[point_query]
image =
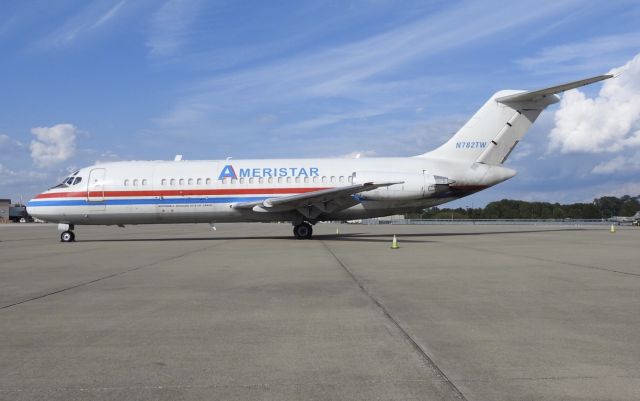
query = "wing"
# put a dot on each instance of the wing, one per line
(312, 204)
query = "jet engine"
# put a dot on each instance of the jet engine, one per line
(409, 186)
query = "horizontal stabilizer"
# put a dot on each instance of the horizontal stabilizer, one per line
(534, 96)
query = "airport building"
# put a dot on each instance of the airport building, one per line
(4, 210)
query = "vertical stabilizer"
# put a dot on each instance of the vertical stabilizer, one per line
(492, 133)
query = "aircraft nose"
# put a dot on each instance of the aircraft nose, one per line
(32, 210)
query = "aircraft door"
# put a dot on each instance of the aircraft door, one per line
(95, 185)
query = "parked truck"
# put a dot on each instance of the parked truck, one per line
(18, 214)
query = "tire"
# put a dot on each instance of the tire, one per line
(303, 231)
(309, 232)
(67, 236)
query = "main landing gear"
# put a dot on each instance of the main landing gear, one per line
(303, 231)
(67, 233)
(67, 236)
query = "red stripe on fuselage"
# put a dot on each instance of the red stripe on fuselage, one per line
(181, 192)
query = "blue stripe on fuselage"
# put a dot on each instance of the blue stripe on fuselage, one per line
(166, 201)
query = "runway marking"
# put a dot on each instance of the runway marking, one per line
(414, 344)
(85, 283)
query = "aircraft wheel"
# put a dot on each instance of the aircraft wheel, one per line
(303, 231)
(67, 236)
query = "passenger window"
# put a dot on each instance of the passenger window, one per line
(288, 180)
(279, 180)
(233, 181)
(241, 180)
(324, 178)
(315, 179)
(181, 181)
(135, 182)
(341, 179)
(306, 179)
(260, 180)
(199, 181)
(190, 181)
(297, 179)
(224, 180)
(144, 181)
(126, 183)
(350, 179)
(333, 178)
(251, 180)
(173, 182)
(270, 180)
(163, 182)
(208, 181)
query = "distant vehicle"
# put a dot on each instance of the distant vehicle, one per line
(18, 214)
(302, 191)
(634, 220)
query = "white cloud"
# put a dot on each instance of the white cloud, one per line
(344, 81)
(619, 164)
(609, 122)
(6, 142)
(170, 26)
(92, 17)
(267, 119)
(108, 156)
(53, 144)
(11, 177)
(522, 151)
(595, 54)
(109, 14)
(335, 118)
(629, 188)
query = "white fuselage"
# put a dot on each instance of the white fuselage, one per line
(143, 192)
(303, 191)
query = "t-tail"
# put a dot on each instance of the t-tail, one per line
(493, 132)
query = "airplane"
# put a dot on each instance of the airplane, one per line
(302, 191)
(634, 220)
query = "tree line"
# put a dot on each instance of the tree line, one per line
(601, 208)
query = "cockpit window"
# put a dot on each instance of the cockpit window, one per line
(68, 181)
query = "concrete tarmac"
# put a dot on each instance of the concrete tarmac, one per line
(248, 313)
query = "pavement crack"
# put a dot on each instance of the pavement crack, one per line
(428, 361)
(108, 276)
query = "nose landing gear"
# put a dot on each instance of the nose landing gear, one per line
(303, 231)
(67, 233)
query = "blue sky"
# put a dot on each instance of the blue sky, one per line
(119, 80)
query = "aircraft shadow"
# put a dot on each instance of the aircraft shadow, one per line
(358, 236)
